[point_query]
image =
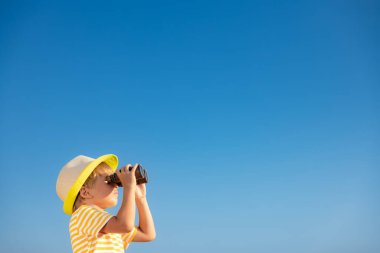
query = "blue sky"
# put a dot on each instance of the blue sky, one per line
(256, 120)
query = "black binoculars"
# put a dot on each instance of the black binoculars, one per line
(140, 173)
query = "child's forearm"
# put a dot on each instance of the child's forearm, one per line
(127, 211)
(146, 223)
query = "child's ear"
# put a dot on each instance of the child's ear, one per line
(85, 193)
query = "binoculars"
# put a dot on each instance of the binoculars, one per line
(140, 173)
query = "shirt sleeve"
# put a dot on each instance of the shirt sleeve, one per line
(128, 237)
(91, 220)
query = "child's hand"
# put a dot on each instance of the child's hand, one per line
(140, 191)
(127, 175)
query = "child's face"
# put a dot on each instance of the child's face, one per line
(103, 195)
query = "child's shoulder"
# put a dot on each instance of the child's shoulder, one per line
(88, 213)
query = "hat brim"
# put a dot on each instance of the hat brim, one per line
(111, 160)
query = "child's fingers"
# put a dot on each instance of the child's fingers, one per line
(124, 169)
(128, 167)
(133, 170)
(118, 173)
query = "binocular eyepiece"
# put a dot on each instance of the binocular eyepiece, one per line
(140, 173)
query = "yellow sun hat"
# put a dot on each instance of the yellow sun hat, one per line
(75, 173)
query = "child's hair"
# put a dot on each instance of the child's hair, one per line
(100, 169)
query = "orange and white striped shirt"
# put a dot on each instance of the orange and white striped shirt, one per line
(85, 224)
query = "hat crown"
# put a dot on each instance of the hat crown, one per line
(70, 173)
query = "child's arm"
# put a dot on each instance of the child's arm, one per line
(124, 221)
(146, 231)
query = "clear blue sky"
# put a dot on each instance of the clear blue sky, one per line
(258, 121)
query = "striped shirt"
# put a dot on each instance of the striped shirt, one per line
(85, 224)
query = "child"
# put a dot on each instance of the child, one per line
(85, 194)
